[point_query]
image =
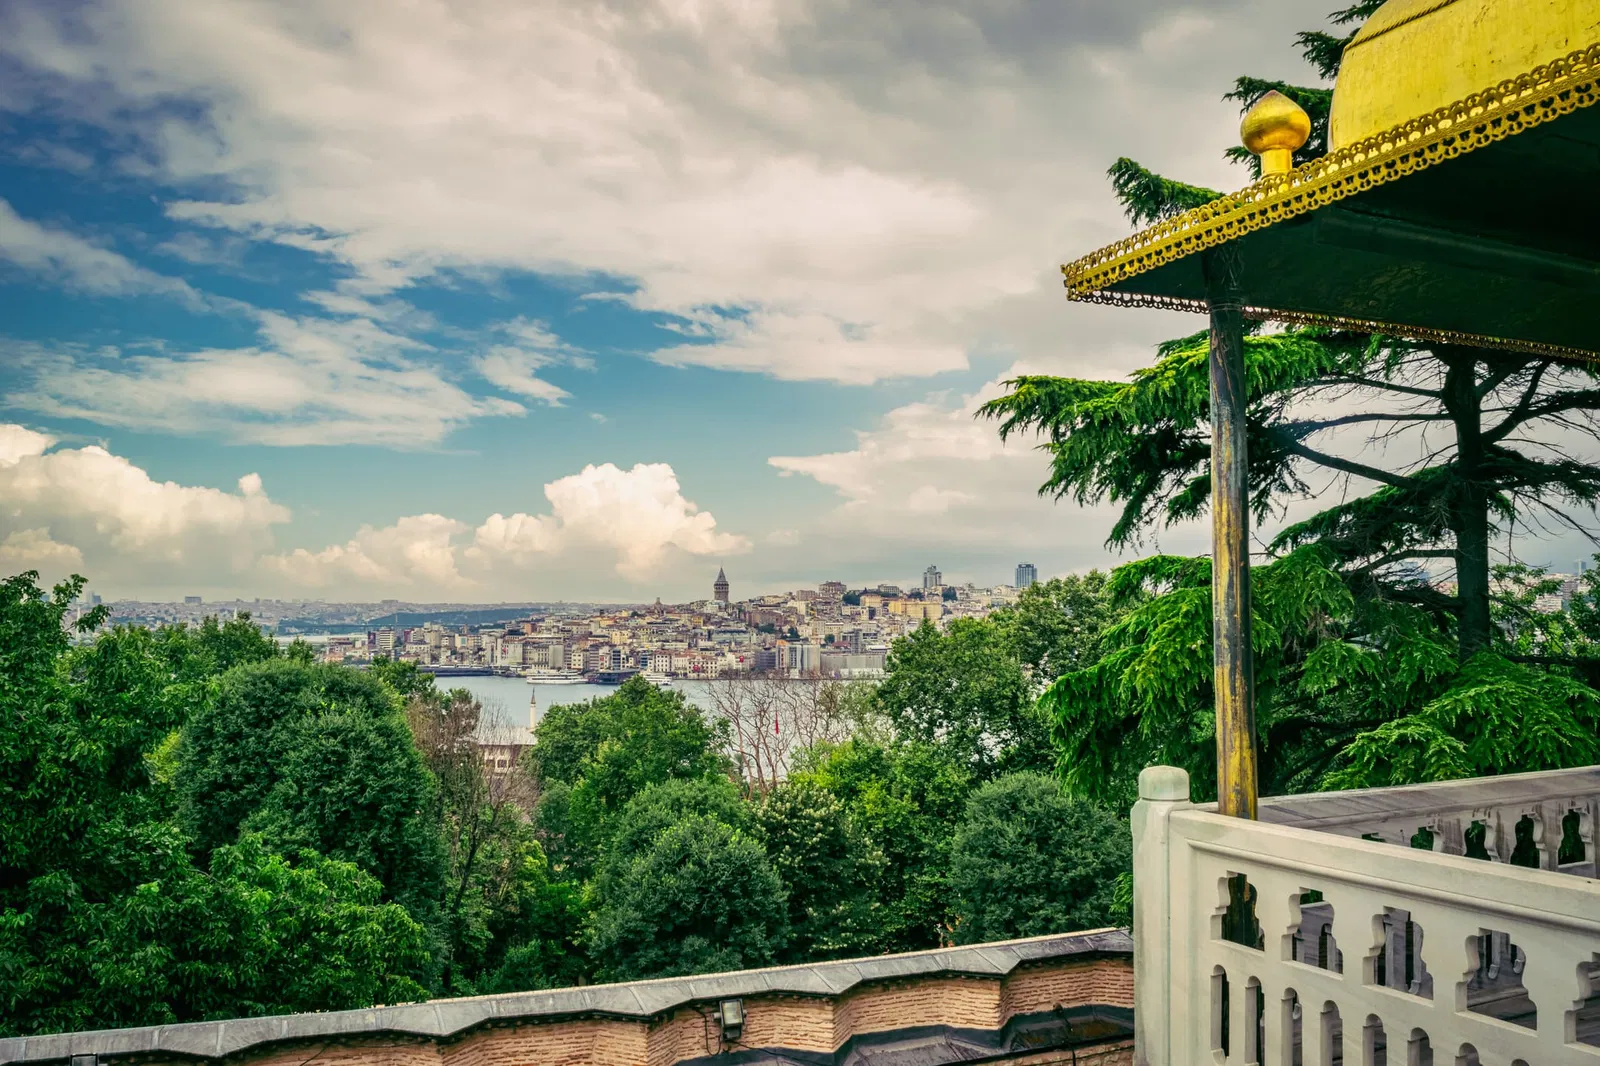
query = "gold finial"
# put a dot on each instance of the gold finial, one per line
(1273, 128)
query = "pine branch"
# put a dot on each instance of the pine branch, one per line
(1307, 428)
(1347, 466)
(1148, 197)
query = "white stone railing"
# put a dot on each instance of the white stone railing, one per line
(1544, 819)
(1274, 943)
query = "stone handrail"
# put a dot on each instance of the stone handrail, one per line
(1272, 943)
(1530, 819)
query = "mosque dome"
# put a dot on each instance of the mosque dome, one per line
(1415, 56)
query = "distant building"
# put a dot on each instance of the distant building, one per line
(193, 601)
(931, 578)
(1027, 574)
(719, 588)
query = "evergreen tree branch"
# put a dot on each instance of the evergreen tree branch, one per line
(1348, 466)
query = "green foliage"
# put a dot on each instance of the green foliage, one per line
(1028, 861)
(904, 799)
(829, 867)
(963, 689)
(663, 805)
(1057, 625)
(403, 677)
(315, 757)
(1148, 197)
(605, 752)
(104, 918)
(702, 898)
(1351, 691)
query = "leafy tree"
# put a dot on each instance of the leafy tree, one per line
(1351, 691)
(1056, 625)
(829, 868)
(481, 813)
(904, 800)
(702, 898)
(214, 647)
(315, 757)
(963, 689)
(403, 676)
(663, 805)
(1028, 861)
(604, 752)
(104, 919)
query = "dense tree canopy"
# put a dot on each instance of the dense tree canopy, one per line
(104, 918)
(964, 689)
(702, 898)
(1028, 861)
(315, 757)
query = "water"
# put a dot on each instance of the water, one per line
(505, 699)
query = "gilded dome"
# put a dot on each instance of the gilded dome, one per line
(1414, 56)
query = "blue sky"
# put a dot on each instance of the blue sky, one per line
(488, 300)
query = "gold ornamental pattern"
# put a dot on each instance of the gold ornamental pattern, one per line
(1541, 95)
(1422, 334)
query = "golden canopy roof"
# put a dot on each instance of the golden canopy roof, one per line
(1457, 200)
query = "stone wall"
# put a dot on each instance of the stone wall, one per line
(963, 997)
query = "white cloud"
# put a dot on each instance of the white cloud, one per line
(85, 506)
(309, 381)
(631, 522)
(63, 257)
(415, 552)
(32, 549)
(638, 516)
(846, 191)
(90, 510)
(513, 367)
(932, 481)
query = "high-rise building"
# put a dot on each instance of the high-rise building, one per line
(190, 601)
(1027, 574)
(931, 578)
(719, 589)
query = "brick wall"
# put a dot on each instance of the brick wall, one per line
(791, 1020)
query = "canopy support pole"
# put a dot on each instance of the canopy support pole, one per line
(1230, 539)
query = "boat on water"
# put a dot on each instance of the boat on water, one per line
(553, 677)
(657, 678)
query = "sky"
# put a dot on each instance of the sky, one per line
(494, 300)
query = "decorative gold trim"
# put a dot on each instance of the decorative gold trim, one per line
(1539, 96)
(1424, 334)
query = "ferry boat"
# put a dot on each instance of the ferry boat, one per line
(656, 678)
(553, 677)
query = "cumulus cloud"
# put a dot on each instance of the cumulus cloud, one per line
(638, 515)
(58, 255)
(87, 507)
(414, 552)
(631, 523)
(33, 549)
(309, 381)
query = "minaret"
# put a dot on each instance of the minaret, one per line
(719, 590)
